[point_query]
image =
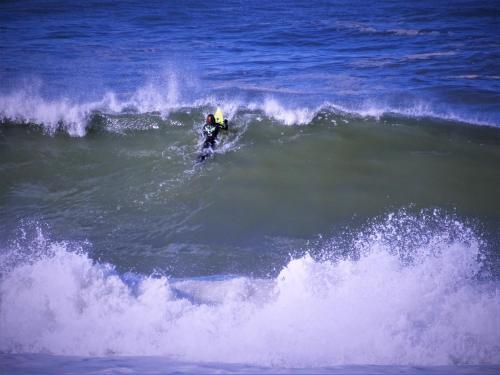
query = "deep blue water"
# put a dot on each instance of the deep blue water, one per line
(430, 57)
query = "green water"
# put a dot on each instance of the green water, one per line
(138, 198)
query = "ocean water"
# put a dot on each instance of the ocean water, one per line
(347, 222)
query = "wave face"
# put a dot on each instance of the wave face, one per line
(278, 250)
(131, 185)
(440, 303)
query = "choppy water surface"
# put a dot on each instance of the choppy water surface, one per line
(361, 166)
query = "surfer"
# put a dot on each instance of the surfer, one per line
(210, 131)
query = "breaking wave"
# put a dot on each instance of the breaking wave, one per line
(407, 290)
(27, 107)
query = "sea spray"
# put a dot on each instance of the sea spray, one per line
(377, 307)
(28, 106)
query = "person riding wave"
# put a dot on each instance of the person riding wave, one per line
(211, 131)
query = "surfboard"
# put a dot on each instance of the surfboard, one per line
(219, 116)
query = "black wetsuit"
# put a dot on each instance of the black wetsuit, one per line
(210, 131)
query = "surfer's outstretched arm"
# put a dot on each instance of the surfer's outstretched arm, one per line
(224, 125)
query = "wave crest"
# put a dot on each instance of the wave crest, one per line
(29, 107)
(374, 308)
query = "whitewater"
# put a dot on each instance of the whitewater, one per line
(440, 306)
(27, 106)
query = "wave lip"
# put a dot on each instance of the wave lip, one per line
(29, 107)
(76, 119)
(22, 108)
(399, 298)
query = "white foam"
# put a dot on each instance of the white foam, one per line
(418, 110)
(288, 116)
(426, 56)
(412, 32)
(378, 309)
(21, 107)
(30, 107)
(358, 26)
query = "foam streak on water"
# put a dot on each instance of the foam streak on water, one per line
(376, 306)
